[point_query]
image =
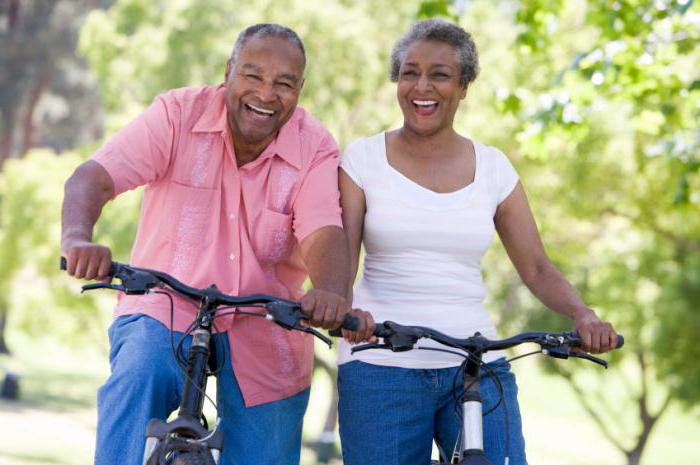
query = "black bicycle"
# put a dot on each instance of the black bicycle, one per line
(187, 439)
(469, 447)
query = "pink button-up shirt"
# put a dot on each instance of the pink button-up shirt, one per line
(206, 221)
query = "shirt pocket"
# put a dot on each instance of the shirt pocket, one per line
(272, 236)
(191, 214)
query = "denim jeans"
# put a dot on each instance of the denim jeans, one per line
(390, 416)
(146, 383)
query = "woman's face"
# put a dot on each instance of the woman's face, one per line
(428, 88)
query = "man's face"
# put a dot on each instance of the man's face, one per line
(262, 90)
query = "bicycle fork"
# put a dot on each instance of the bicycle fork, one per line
(469, 449)
(187, 423)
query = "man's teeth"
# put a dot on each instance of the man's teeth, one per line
(424, 103)
(260, 110)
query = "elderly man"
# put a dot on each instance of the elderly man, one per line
(240, 191)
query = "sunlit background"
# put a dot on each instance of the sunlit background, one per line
(597, 104)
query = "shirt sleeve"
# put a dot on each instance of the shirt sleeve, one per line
(506, 176)
(317, 204)
(140, 152)
(351, 162)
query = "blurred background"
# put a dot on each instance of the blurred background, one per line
(597, 103)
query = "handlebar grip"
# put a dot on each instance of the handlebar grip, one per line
(113, 267)
(574, 337)
(620, 341)
(349, 322)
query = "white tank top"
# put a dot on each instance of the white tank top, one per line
(423, 250)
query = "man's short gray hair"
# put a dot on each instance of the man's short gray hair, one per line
(443, 31)
(267, 30)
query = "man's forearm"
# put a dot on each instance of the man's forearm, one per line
(86, 192)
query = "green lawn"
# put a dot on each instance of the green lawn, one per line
(55, 420)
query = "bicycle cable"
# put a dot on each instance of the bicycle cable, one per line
(180, 349)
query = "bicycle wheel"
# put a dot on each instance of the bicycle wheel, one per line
(178, 451)
(192, 458)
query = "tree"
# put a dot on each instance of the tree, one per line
(608, 104)
(41, 78)
(43, 81)
(43, 300)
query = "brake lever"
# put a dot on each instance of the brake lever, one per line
(590, 358)
(310, 330)
(101, 285)
(290, 317)
(369, 346)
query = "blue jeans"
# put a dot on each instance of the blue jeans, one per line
(146, 383)
(390, 416)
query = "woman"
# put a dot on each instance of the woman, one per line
(425, 201)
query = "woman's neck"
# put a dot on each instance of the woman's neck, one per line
(428, 145)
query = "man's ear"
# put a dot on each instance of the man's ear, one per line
(463, 95)
(301, 86)
(228, 70)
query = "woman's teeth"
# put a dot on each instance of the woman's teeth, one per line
(424, 103)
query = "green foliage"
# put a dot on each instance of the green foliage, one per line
(611, 133)
(140, 48)
(42, 300)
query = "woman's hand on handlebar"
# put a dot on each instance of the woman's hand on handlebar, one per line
(365, 331)
(87, 260)
(597, 336)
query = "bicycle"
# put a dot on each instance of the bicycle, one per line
(187, 439)
(469, 446)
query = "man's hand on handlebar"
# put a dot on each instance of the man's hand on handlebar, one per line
(87, 260)
(325, 309)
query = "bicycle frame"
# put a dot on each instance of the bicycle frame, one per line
(469, 449)
(187, 424)
(186, 433)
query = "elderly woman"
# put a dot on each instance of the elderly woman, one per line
(425, 202)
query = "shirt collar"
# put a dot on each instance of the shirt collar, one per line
(287, 144)
(214, 118)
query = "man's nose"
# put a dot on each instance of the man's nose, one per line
(266, 92)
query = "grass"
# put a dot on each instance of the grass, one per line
(54, 422)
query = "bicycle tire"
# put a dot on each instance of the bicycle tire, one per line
(177, 451)
(191, 458)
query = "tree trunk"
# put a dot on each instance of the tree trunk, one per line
(646, 418)
(325, 447)
(35, 94)
(7, 125)
(3, 324)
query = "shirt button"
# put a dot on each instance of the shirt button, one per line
(231, 216)
(232, 256)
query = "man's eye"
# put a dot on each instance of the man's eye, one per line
(440, 75)
(254, 77)
(409, 73)
(286, 85)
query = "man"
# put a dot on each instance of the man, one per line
(241, 191)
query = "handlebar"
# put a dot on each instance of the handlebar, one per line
(138, 281)
(400, 338)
